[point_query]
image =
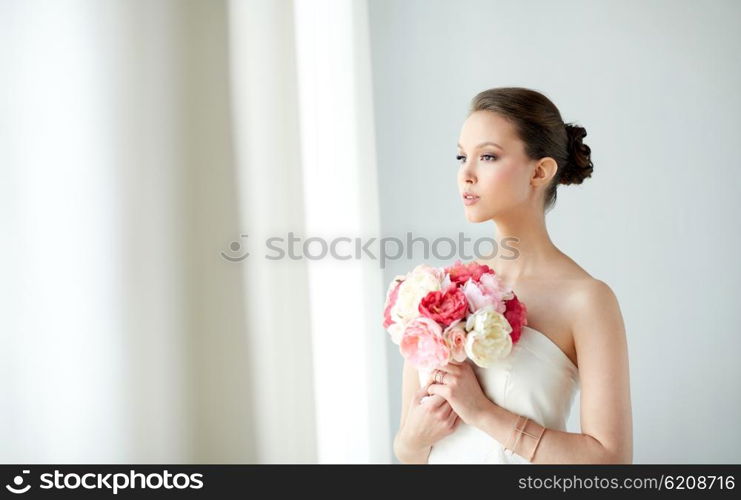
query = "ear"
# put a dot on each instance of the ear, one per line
(544, 171)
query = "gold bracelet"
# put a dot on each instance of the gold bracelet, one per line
(527, 433)
(542, 431)
(523, 431)
(519, 430)
(508, 450)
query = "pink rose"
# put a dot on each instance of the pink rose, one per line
(488, 291)
(444, 307)
(455, 338)
(423, 345)
(516, 315)
(460, 273)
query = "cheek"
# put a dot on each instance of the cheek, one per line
(504, 180)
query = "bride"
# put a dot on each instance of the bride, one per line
(514, 151)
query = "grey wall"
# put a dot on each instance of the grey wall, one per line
(656, 86)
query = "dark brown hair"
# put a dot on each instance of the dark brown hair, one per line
(538, 124)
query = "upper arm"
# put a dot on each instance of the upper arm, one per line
(602, 354)
(409, 385)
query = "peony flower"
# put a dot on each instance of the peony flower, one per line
(396, 331)
(455, 338)
(423, 345)
(422, 280)
(489, 290)
(460, 273)
(516, 315)
(393, 324)
(444, 307)
(391, 295)
(488, 338)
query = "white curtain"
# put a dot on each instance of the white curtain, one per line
(140, 142)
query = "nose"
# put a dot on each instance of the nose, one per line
(469, 173)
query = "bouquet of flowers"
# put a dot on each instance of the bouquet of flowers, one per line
(440, 314)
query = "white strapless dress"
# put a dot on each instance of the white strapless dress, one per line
(537, 380)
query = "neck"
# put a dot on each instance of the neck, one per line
(523, 244)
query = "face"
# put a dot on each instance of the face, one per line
(493, 166)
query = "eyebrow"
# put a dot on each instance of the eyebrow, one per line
(487, 143)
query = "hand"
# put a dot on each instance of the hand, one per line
(461, 389)
(428, 419)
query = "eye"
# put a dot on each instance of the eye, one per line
(460, 157)
(493, 158)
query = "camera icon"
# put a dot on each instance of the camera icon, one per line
(18, 481)
(235, 247)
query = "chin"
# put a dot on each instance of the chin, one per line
(476, 216)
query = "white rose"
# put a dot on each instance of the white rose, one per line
(422, 280)
(488, 338)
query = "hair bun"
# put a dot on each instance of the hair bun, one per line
(579, 164)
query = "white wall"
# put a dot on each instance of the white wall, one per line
(656, 86)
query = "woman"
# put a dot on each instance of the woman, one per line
(514, 150)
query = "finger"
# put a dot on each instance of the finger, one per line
(439, 376)
(451, 418)
(434, 373)
(421, 392)
(456, 420)
(437, 389)
(432, 401)
(450, 368)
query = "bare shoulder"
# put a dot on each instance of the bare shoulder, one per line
(585, 292)
(589, 302)
(592, 293)
(595, 311)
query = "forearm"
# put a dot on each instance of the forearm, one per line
(408, 455)
(554, 447)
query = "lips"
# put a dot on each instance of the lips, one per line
(469, 199)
